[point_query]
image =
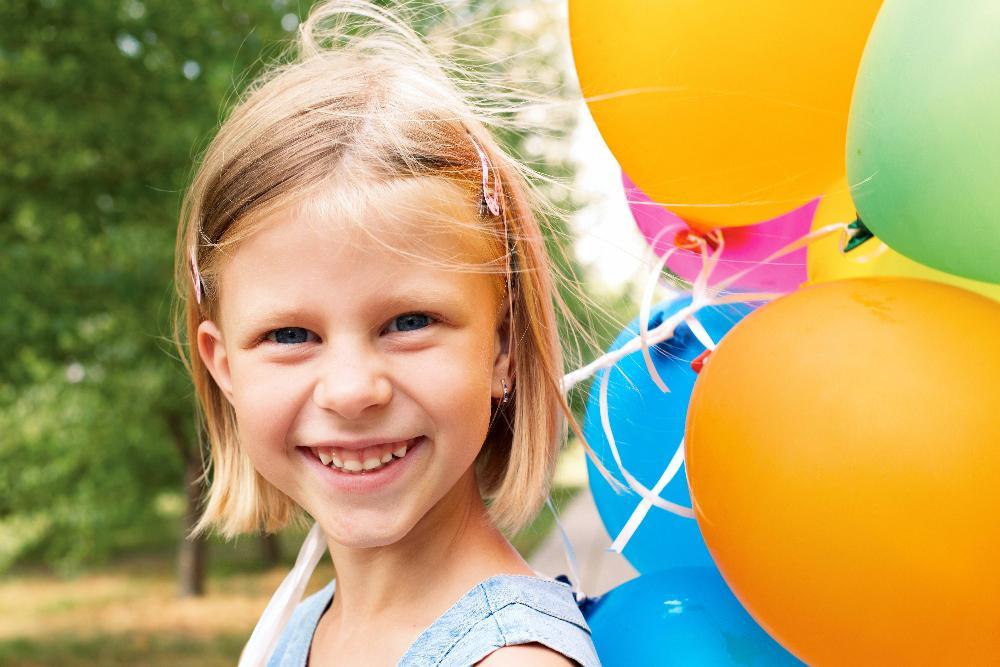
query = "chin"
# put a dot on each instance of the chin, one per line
(354, 533)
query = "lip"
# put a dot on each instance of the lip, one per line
(364, 482)
(359, 444)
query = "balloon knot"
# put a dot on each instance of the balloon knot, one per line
(857, 233)
(688, 239)
(699, 362)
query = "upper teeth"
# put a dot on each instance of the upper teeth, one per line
(364, 460)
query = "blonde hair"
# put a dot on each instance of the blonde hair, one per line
(348, 123)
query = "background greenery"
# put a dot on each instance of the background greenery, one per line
(103, 107)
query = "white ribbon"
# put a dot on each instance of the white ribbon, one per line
(571, 562)
(272, 622)
(633, 483)
(646, 304)
(700, 333)
(643, 508)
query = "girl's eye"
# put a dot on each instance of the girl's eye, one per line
(298, 335)
(411, 322)
(288, 335)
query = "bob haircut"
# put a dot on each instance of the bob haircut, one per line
(344, 127)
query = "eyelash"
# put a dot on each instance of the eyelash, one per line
(431, 320)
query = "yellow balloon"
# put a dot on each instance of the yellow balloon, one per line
(826, 262)
(727, 113)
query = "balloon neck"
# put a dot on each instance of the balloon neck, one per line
(699, 362)
(689, 239)
(857, 234)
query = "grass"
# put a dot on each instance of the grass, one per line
(159, 650)
(128, 613)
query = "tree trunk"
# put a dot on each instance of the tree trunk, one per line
(270, 550)
(191, 554)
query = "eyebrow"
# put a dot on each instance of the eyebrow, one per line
(444, 296)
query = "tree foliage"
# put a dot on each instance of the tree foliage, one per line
(103, 106)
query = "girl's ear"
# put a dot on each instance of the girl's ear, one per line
(501, 359)
(212, 350)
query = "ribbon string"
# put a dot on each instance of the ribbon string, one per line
(268, 630)
(703, 294)
(644, 505)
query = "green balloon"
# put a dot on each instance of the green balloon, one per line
(923, 139)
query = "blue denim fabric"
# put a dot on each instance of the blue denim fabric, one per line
(501, 611)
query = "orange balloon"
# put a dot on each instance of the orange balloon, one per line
(727, 113)
(843, 453)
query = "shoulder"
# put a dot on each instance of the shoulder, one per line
(526, 655)
(509, 618)
(515, 600)
(538, 622)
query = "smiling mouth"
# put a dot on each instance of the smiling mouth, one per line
(365, 461)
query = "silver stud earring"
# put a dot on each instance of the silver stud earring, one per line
(506, 395)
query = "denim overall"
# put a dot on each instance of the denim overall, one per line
(501, 611)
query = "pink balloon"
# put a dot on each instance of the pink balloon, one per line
(744, 246)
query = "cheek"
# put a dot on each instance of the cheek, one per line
(265, 405)
(456, 390)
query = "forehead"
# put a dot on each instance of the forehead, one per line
(416, 235)
(427, 216)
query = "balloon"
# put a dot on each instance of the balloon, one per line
(827, 262)
(843, 449)
(648, 426)
(727, 113)
(743, 246)
(923, 144)
(683, 617)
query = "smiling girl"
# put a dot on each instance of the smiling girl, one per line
(364, 284)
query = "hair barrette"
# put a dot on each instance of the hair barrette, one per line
(491, 199)
(195, 275)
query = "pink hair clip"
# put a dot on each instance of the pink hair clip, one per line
(491, 199)
(195, 275)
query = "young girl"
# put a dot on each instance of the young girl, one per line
(365, 284)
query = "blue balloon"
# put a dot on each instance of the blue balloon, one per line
(686, 617)
(648, 425)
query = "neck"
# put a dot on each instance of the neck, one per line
(451, 549)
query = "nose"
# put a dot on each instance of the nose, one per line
(350, 382)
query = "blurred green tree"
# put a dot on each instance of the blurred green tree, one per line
(104, 105)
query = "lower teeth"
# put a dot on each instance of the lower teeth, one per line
(362, 472)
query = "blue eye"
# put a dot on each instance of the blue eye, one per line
(288, 335)
(299, 335)
(412, 321)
